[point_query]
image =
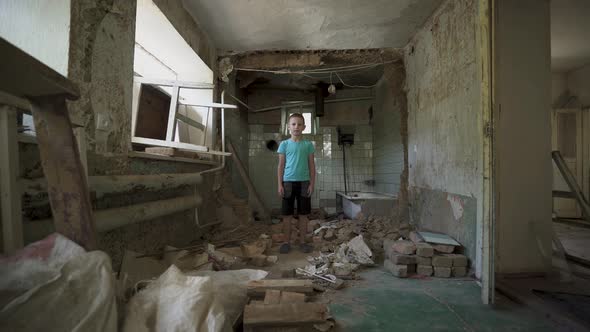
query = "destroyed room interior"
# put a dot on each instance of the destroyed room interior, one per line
(295, 165)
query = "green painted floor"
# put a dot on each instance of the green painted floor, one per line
(381, 302)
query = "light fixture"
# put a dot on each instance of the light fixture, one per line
(332, 89)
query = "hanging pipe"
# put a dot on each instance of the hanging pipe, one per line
(220, 167)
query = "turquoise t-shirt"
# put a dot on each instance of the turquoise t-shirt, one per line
(296, 159)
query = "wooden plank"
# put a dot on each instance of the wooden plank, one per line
(258, 288)
(292, 297)
(178, 145)
(264, 214)
(160, 150)
(285, 314)
(272, 296)
(10, 198)
(66, 179)
(24, 76)
(139, 154)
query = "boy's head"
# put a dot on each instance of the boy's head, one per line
(296, 124)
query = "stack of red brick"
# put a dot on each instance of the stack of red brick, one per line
(406, 257)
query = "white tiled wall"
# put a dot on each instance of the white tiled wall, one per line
(329, 167)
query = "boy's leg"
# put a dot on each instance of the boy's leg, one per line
(288, 206)
(304, 209)
(303, 221)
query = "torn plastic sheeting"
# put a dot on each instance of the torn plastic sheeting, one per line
(57, 286)
(197, 301)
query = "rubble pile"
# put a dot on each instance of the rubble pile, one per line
(416, 256)
(328, 235)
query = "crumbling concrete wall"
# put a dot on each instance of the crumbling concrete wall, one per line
(102, 38)
(444, 125)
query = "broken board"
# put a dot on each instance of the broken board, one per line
(258, 288)
(285, 314)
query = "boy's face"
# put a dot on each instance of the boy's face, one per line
(296, 126)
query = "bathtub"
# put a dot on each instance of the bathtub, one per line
(369, 203)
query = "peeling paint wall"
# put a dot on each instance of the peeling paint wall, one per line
(444, 124)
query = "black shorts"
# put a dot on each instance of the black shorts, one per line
(296, 190)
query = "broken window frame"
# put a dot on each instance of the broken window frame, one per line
(173, 115)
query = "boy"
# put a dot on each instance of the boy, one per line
(296, 179)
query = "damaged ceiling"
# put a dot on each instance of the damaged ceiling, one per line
(310, 24)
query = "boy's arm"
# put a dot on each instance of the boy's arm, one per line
(311, 165)
(280, 173)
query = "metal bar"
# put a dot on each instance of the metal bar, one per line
(310, 103)
(171, 127)
(189, 121)
(572, 183)
(206, 125)
(239, 101)
(211, 105)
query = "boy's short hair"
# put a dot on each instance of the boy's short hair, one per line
(296, 115)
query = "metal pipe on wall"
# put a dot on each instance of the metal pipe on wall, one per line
(110, 219)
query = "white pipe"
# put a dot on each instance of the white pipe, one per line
(220, 167)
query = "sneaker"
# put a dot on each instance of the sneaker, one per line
(285, 248)
(306, 248)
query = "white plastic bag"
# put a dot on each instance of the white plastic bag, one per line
(211, 301)
(54, 285)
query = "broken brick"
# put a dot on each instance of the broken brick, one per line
(424, 270)
(424, 260)
(442, 272)
(400, 271)
(446, 249)
(424, 250)
(411, 268)
(404, 247)
(459, 260)
(396, 258)
(442, 261)
(459, 271)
